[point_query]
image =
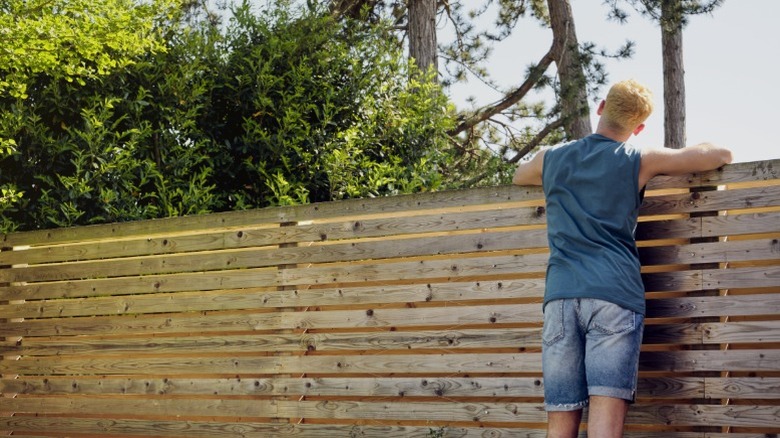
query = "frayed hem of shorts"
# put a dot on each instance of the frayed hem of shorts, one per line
(565, 407)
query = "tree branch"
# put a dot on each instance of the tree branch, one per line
(538, 138)
(510, 99)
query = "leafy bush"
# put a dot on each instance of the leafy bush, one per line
(281, 107)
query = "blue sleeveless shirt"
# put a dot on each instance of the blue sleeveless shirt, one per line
(593, 198)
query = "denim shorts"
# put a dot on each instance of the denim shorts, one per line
(589, 347)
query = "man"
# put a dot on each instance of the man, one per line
(594, 297)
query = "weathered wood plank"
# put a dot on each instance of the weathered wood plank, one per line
(677, 415)
(767, 170)
(673, 281)
(453, 269)
(433, 269)
(709, 226)
(232, 344)
(445, 316)
(705, 415)
(145, 406)
(512, 196)
(731, 278)
(374, 364)
(712, 252)
(180, 323)
(248, 237)
(253, 298)
(754, 197)
(216, 429)
(710, 360)
(713, 333)
(254, 258)
(320, 387)
(729, 305)
(768, 276)
(455, 363)
(359, 387)
(149, 284)
(245, 429)
(756, 171)
(742, 388)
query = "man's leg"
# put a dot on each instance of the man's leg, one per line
(606, 417)
(564, 424)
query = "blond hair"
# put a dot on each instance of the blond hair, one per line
(628, 105)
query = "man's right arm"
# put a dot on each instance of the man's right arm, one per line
(665, 161)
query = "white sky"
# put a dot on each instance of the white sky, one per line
(731, 61)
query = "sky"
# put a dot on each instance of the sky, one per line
(731, 60)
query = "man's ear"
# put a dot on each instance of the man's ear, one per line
(600, 109)
(639, 129)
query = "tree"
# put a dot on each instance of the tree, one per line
(672, 16)
(488, 140)
(573, 97)
(422, 34)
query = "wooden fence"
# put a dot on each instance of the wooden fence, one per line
(410, 316)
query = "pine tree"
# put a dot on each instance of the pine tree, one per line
(672, 16)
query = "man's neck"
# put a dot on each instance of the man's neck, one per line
(613, 134)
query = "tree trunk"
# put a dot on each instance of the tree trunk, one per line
(674, 75)
(422, 34)
(574, 94)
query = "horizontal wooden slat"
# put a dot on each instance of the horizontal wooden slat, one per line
(253, 298)
(218, 429)
(713, 333)
(444, 316)
(747, 172)
(358, 387)
(354, 208)
(743, 388)
(705, 415)
(372, 340)
(320, 387)
(757, 171)
(696, 202)
(761, 304)
(711, 415)
(674, 361)
(706, 333)
(374, 364)
(707, 279)
(451, 269)
(709, 226)
(714, 252)
(710, 360)
(253, 258)
(248, 237)
(730, 305)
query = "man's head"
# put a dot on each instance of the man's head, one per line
(627, 106)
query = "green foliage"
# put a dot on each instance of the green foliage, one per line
(74, 40)
(310, 109)
(282, 107)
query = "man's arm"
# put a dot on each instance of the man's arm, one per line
(529, 173)
(665, 161)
